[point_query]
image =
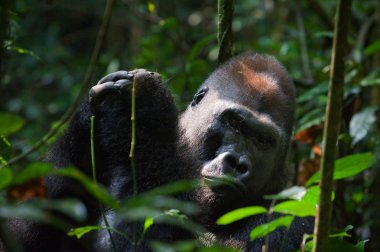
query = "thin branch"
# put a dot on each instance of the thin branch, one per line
(86, 84)
(132, 155)
(93, 164)
(303, 42)
(332, 125)
(225, 38)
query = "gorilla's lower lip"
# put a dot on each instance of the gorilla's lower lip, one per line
(225, 181)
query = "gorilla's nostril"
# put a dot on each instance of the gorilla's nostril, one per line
(231, 160)
(242, 168)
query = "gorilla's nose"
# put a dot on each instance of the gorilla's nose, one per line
(238, 165)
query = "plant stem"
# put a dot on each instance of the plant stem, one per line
(225, 39)
(132, 154)
(93, 164)
(332, 125)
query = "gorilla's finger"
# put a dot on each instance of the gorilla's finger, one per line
(116, 76)
(97, 92)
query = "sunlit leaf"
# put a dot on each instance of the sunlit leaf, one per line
(294, 192)
(10, 123)
(348, 166)
(239, 214)
(296, 208)
(312, 195)
(79, 232)
(147, 223)
(264, 229)
(151, 7)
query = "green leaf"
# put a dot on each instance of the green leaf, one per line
(172, 188)
(296, 208)
(10, 123)
(32, 211)
(361, 245)
(73, 208)
(147, 223)
(218, 248)
(372, 48)
(361, 124)
(32, 171)
(294, 192)
(239, 214)
(79, 232)
(348, 166)
(339, 245)
(312, 195)
(96, 190)
(6, 177)
(181, 246)
(151, 7)
(264, 229)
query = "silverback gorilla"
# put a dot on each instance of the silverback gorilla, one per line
(236, 129)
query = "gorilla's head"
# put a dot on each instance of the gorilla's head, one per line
(238, 128)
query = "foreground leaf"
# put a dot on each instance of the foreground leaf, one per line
(294, 192)
(10, 123)
(296, 208)
(239, 214)
(79, 232)
(264, 229)
(348, 166)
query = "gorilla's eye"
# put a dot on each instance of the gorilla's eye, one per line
(236, 122)
(198, 96)
(211, 145)
(264, 141)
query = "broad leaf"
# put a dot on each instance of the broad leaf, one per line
(294, 192)
(239, 214)
(361, 124)
(296, 208)
(10, 123)
(348, 166)
(264, 229)
(32, 171)
(96, 190)
(147, 223)
(79, 232)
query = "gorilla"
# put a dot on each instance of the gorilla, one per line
(233, 138)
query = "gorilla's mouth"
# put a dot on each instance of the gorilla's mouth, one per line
(224, 183)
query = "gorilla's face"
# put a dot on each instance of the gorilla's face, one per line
(236, 127)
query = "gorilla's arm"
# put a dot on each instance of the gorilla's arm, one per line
(110, 103)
